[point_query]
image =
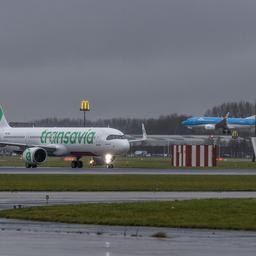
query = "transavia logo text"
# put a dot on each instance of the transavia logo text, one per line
(58, 137)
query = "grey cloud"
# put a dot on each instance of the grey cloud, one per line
(137, 58)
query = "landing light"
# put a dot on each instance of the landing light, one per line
(92, 162)
(108, 158)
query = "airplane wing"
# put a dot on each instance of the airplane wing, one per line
(223, 122)
(163, 140)
(48, 148)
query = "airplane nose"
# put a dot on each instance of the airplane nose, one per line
(184, 122)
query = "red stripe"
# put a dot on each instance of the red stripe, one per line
(197, 155)
(189, 155)
(182, 155)
(177, 156)
(206, 152)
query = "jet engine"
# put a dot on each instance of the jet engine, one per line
(34, 156)
(209, 127)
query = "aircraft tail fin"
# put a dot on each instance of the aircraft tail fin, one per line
(251, 117)
(144, 133)
(3, 121)
(144, 136)
(227, 115)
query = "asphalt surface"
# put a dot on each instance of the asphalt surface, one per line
(20, 170)
(25, 199)
(25, 238)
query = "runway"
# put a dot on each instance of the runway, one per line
(26, 238)
(25, 199)
(134, 171)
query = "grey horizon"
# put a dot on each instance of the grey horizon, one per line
(138, 58)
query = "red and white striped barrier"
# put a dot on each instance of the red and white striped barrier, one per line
(194, 155)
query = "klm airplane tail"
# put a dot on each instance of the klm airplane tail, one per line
(3, 121)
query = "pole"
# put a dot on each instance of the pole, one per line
(253, 158)
(84, 118)
(255, 119)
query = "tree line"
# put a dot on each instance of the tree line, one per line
(169, 124)
(236, 109)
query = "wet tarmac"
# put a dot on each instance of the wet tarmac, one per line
(25, 238)
(20, 170)
(26, 199)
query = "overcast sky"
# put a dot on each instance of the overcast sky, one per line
(136, 58)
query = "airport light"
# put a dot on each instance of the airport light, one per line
(108, 158)
(254, 156)
(84, 107)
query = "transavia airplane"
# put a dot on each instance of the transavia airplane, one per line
(225, 123)
(36, 144)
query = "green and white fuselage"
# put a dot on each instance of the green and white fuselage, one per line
(76, 142)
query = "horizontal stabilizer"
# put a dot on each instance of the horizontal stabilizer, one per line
(251, 117)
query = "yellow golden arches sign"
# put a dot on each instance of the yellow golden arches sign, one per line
(235, 134)
(85, 105)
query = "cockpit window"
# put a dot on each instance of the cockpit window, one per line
(115, 137)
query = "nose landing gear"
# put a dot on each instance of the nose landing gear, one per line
(109, 158)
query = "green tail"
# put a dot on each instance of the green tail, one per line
(3, 121)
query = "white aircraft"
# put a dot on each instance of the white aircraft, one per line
(103, 144)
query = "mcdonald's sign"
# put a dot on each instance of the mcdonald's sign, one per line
(235, 134)
(84, 105)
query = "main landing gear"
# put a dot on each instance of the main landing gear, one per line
(110, 166)
(226, 132)
(77, 164)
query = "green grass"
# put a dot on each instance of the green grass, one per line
(237, 214)
(126, 162)
(89, 182)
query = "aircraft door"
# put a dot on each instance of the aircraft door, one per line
(1, 134)
(27, 139)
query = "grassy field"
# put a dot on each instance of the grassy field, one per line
(126, 162)
(54, 182)
(238, 214)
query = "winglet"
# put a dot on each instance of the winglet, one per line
(144, 136)
(144, 133)
(3, 121)
(227, 115)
